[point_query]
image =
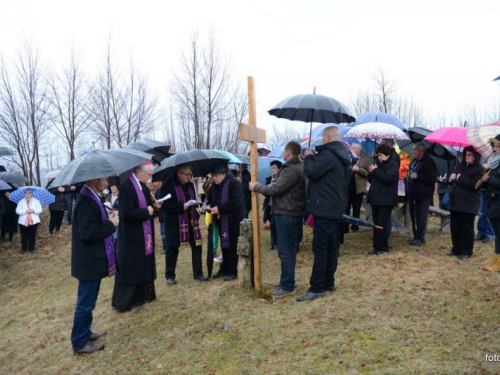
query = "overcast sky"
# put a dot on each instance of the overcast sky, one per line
(442, 53)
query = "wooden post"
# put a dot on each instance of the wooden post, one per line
(254, 135)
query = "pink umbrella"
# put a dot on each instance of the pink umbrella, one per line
(455, 137)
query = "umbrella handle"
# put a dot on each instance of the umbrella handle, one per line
(378, 227)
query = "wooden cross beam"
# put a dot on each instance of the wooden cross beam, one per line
(254, 135)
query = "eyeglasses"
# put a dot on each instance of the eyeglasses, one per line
(185, 174)
(149, 174)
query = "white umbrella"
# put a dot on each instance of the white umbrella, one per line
(376, 130)
(52, 174)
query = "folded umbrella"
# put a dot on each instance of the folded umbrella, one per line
(359, 222)
(98, 164)
(479, 137)
(39, 193)
(13, 178)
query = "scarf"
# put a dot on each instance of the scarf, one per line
(183, 217)
(146, 224)
(494, 161)
(109, 244)
(29, 219)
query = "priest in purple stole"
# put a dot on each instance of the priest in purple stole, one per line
(181, 223)
(228, 209)
(136, 267)
(92, 259)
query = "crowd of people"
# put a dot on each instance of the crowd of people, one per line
(113, 234)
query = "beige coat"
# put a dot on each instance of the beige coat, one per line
(361, 176)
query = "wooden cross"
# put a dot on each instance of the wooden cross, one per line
(254, 135)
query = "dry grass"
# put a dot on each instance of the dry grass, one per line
(412, 311)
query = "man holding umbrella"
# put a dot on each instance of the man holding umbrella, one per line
(92, 259)
(136, 267)
(181, 220)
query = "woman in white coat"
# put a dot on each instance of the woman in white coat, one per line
(29, 210)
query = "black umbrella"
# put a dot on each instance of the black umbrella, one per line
(13, 178)
(496, 79)
(201, 162)
(313, 108)
(360, 223)
(4, 151)
(99, 163)
(159, 150)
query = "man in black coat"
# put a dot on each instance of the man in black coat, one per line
(228, 209)
(328, 174)
(92, 259)
(181, 220)
(247, 194)
(422, 178)
(136, 266)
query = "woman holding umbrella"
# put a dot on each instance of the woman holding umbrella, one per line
(383, 196)
(29, 210)
(464, 203)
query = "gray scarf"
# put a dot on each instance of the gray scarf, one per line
(493, 161)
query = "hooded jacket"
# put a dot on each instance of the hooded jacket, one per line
(463, 194)
(328, 173)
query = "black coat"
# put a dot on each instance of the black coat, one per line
(170, 210)
(424, 185)
(133, 266)
(10, 218)
(463, 194)
(88, 253)
(61, 203)
(246, 177)
(384, 184)
(328, 173)
(266, 208)
(3, 210)
(492, 194)
(235, 205)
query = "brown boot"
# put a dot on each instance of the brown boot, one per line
(495, 265)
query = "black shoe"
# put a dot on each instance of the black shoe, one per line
(452, 254)
(230, 278)
(479, 237)
(272, 248)
(218, 275)
(382, 252)
(373, 252)
(201, 278)
(487, 239)
(417, 242)
(464, 257)
(331, 289)
(96, 335)
(309, 296)
(354, 230)
(171, 281)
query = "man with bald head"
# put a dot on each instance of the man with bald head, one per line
(136, 267)
(328, 173)
(181, 223)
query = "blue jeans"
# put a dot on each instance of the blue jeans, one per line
(287, 230)
(483, 224)
(163, 236)
(326, 253)
(85, 303)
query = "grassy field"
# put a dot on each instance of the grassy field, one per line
(412, 311)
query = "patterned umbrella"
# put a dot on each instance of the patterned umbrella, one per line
(42, 195)
(451, 136)
(376, 130)
(479, 137)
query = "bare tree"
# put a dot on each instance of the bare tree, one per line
(205, 104)
(69, 99)
(280, 134)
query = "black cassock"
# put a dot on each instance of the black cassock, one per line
(136, 272)
(10, 218)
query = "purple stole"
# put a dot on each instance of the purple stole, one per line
(146, 224)
(224, 218)
(183, 217)
(109, 244)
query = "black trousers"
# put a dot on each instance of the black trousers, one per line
(229, 265)
(419, 213)
(172, 254)
(56, 219)
(28, 237)
(326, 253)
(495, 224)
(462, 232)
(355, 201)
(381, 216)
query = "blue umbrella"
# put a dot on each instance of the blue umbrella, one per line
(42, 195)
(264, 166)
(379, 117)
(318, 130)
(278, 152)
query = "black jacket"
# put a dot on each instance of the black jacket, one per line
(493, 194)
(463, 194)
(61, 203)
(384, 184)
(3, 211)
(246, 177)
(266, 208)
(424, 185)
(235, 205)
(9, 224)
(328, 173)
(88, 253)
(170, 210)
